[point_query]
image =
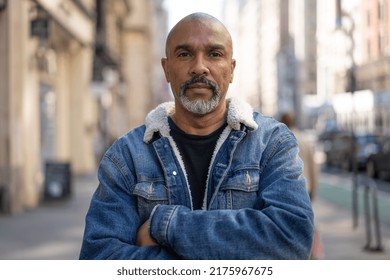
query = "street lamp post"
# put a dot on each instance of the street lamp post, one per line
(351, 87)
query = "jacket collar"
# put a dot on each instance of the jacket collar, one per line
(239, 112)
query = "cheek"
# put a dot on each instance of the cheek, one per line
(226, 78)
(225, 72)
(173, 72)
(175, 84)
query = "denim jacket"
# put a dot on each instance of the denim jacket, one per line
(255, 205)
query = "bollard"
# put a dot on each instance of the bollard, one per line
(370, 189)
(377, 228)
(367, 218)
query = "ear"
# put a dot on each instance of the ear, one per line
(233, 66)
(164, 64)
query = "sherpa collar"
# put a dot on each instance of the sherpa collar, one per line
(239, 112)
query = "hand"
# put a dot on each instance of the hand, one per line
(143, 236)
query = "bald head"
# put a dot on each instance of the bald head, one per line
(200, 19)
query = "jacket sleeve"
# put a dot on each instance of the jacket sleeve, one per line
(279, 226)
(112, 221)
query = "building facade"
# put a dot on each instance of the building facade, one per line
(375, 66)
(373, 73)
(45, 55)
(275, 47)
(242, 20)
(74, 76)
(353, 64)
(297, 58)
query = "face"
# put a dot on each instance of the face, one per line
(199, 64)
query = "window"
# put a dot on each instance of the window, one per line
(381, 42)
(381, 10)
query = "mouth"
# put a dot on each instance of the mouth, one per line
(199, 86)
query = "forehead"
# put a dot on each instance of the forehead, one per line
(198, 33)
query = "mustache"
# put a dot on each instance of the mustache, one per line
(195, 80)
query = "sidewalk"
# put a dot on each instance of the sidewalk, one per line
(53, 231)
(333, 212)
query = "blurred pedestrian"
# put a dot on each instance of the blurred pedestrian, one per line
(310, 171)
(205, 177)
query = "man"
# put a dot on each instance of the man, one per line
(307, 154)
(205, 177)
(310, 171)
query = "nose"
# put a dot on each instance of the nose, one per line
(199, 67)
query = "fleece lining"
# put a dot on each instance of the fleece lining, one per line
(239, 112)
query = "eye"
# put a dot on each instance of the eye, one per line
(183, 54)
(215, 54)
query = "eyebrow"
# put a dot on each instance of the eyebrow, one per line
(183, 47)
(189, 48)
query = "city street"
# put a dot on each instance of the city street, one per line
(333, 210)
(54, 230)
(76, 75)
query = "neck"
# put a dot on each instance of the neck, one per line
(200, 124)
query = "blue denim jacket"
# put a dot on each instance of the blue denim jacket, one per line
(255, 207)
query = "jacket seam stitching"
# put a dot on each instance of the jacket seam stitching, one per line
(168, 223)
(120, 171)
(273, 151)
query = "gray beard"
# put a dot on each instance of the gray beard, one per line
(199, 106)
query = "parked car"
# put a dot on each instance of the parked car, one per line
(330, 129)
(340, 149)
(336, 146)
(379, 162)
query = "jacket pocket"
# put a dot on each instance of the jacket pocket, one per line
(149, 194)
(240, 189)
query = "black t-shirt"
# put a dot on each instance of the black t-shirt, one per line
(196, 151)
